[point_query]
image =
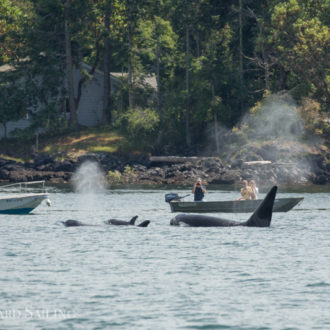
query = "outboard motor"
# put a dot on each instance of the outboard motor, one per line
(171, 197)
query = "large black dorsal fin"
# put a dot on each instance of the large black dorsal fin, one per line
(262, 216)
(132, 221)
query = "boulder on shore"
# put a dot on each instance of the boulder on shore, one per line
(312, 168)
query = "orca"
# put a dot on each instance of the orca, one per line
(261, 217)
(75, 223)
(121, 222)
(144, 223)
(117, 222)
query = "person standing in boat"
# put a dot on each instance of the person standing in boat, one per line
(198, 191)
(254, 190)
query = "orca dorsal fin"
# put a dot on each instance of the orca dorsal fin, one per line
(132, 221)
(144, 223)
(262, 216)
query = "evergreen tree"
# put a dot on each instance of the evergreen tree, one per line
(300, 37)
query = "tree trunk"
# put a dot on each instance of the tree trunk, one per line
(106, 115)
(4, 130)
(159, 107)
(241, 73)
(267, 77)
(283, 77)
(69, 68)
(130, 71)
(216, 130)
(158, 77)
(188, 136)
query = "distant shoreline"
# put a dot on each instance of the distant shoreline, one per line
(146, 171)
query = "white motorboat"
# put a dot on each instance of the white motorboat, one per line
(18, 198)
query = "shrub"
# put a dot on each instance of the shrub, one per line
(114, 177)
(140, 125)
(309, 111)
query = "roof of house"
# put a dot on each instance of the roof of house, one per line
(148, 80)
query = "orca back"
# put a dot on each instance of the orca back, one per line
(118, 222)
(198, 220)
(72, 223)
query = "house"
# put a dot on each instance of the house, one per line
(89, 111)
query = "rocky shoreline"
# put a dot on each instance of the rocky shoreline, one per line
(130, 169)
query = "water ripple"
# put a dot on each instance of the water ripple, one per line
(162, 277)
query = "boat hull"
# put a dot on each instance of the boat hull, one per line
(20, 204)
(239, 206)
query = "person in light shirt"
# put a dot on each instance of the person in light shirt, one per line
(246, 191)
(254, 190)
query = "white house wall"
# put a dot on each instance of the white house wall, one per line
(12, 125)
(89, 112)
(90, 107)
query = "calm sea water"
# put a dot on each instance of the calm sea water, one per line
(163, 277)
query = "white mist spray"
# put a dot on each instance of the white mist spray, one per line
(89, 179)
(274, 132)
(276, 119)
(89, 182)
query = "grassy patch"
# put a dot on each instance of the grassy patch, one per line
(70, 145)
(82, 142)
(18, 160)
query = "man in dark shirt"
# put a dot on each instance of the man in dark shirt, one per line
(198, 191)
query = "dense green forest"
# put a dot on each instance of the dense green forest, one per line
(214, 61)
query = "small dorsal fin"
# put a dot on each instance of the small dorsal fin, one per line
(132, 221)
(144, 223)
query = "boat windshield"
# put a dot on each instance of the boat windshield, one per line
(25, 187)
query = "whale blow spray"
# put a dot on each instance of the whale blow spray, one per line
(89, 178)
(89, 182)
